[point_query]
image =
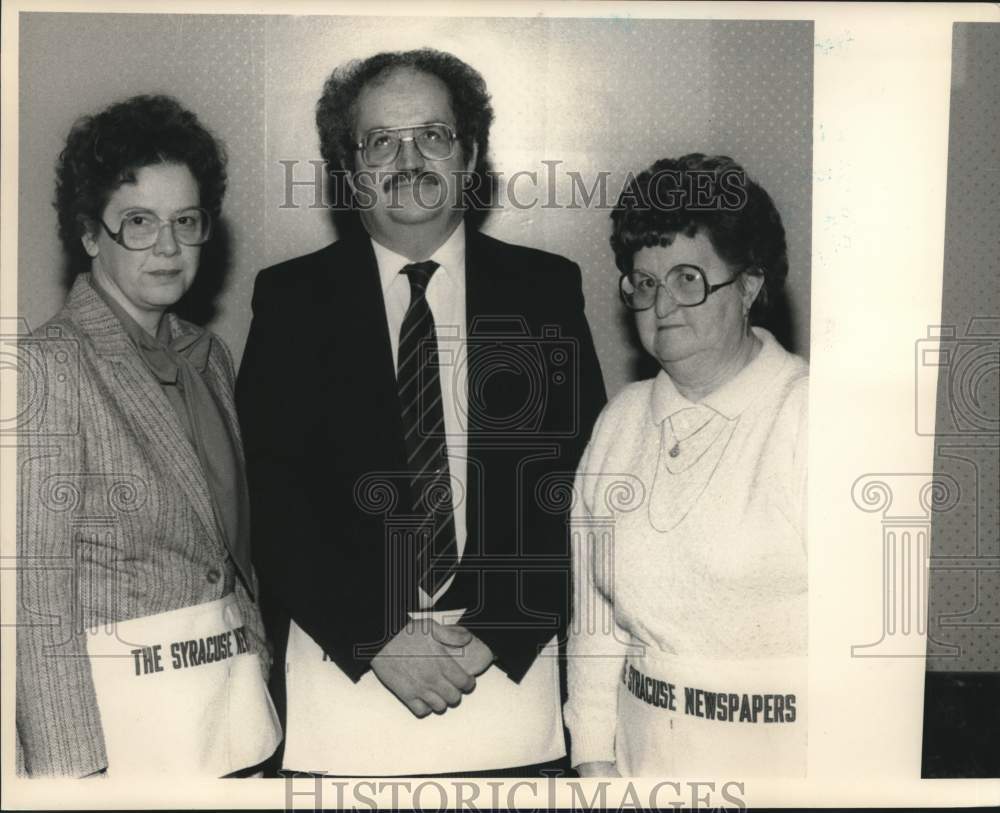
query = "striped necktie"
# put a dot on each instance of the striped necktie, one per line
(419, 386)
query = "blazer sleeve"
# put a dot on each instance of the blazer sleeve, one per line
(249, 607)
(58, 721)
(541, 588)
(302, 573)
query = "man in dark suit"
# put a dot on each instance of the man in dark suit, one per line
(414, 400)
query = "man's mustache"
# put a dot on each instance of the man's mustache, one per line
(412, 177)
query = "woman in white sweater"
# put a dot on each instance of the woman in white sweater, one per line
(688, 643)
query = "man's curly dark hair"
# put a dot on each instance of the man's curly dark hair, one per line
(710, 194)
(336, 110)
(106, 150)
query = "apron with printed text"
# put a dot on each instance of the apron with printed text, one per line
(362, 729)
(181, 693)
(690, 717)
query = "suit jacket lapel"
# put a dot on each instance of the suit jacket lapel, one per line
(480, 301)
(142, 400)
(479, 277)
(360, 360)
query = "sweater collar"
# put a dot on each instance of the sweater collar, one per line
(733, 397)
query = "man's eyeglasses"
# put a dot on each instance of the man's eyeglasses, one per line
(140, 229)
(686, 285)
(435, 142)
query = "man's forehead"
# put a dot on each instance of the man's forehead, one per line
(403, 96)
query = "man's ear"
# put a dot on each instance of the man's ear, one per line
(473, 157)
(349, 175)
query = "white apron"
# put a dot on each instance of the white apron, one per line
(361, 729)
(180, 695)
(699, 717)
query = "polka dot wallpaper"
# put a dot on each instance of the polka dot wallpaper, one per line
(964, 606)
(586, 99)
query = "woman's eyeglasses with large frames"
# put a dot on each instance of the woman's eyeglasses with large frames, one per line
(686, 284)
(140, 229)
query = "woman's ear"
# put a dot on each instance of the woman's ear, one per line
(752, 283)
(90, 244)
(88, 238)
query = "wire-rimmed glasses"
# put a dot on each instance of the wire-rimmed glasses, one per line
(435, 142)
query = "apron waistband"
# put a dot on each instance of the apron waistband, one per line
(212, 619)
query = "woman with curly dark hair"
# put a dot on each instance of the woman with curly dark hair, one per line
(687, 649)
(140, 648)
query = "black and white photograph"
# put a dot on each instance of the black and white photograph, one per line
(483, 407)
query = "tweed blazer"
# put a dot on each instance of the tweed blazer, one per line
(114, 518)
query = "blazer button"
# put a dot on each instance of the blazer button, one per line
(213, 576)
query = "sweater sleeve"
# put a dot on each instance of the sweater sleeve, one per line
(797, 407)
(597, 644)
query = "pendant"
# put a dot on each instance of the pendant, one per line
(676, 450)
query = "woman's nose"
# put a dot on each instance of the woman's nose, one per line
(665, 302)
(166, 244)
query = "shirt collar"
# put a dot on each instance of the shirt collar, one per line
(450, 255)
(733, 397)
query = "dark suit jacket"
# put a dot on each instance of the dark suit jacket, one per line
(326, 461)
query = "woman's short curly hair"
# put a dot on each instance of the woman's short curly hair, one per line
(336, 110)
(106, 150)
(710, 194)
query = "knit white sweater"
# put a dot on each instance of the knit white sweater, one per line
(689, 533)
